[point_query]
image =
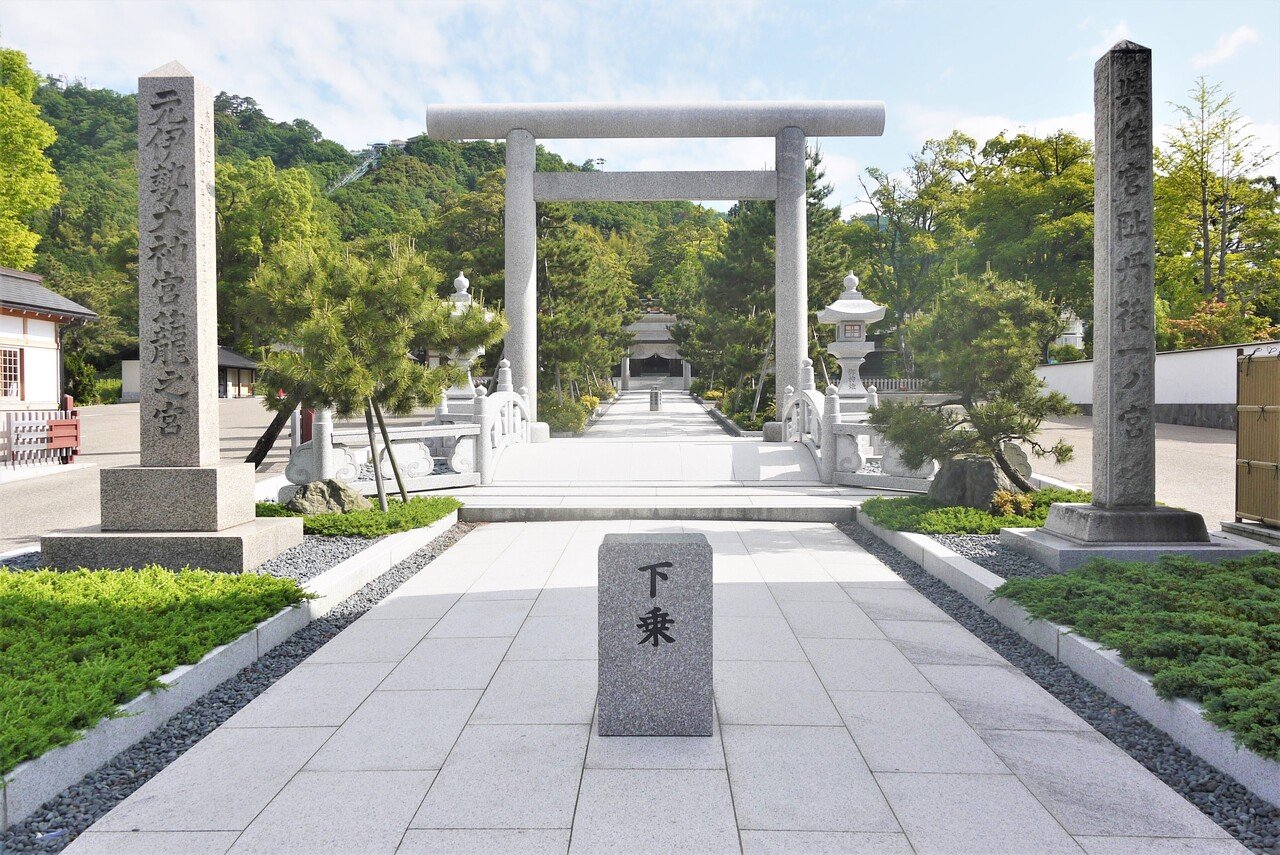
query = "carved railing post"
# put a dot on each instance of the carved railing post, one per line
(322, 443)
(484, 442)
(830, 416)
(806, 374)
(504, 377)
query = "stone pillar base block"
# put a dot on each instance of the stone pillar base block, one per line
(237, 549)
(177, 498)
(1062, 554)
(773, 432)
(539, 432)
(1088, 524)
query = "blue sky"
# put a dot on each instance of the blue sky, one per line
(365, 71)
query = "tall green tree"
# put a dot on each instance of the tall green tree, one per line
(1030, 212)
(29, 183)
(1216, 217)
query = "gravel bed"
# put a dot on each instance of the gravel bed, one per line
(315, 555)
(25, 561)
(987, 551)
(58, 822)
(1252, 821)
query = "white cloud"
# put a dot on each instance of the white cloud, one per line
(1226, 47)
(926, 123)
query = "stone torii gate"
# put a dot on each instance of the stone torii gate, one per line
(788, 122)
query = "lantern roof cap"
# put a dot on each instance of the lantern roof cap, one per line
(851, 306)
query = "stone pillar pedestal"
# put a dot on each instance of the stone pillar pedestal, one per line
(686, 371)
(626, 374)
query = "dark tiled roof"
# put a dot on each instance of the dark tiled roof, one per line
(23, 291)
(228, 358)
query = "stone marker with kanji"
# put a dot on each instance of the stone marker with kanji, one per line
(183, 505)
(655, 635)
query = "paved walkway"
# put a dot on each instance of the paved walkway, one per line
(676, 458)
(853, 716)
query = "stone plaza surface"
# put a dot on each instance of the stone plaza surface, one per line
(852, 715)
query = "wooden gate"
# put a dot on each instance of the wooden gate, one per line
(1258, 438)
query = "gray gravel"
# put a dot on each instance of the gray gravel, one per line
(58, 822)
(987, 551)
(315, 555)
(1252, 821)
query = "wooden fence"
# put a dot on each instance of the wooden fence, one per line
(35, 437)
(1258, 438)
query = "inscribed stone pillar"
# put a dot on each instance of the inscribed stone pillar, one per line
(1124, 511)
(182, 506)
(626, 374)
(1124, 441)
(791, 273)
(521, 295)
(177, 293)
(655, 624)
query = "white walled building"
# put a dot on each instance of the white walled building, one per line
(31, 322)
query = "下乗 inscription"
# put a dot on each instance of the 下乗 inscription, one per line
(655, 635)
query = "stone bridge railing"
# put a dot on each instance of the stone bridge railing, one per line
(846, 448)
(458, 450)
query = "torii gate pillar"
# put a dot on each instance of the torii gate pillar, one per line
(791, 264)
(521, 245)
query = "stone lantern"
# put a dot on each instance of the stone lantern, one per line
(464, 392)
(852, 314)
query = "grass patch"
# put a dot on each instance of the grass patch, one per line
(1209, 632)
(418, 512)
(920, 514)
(73, 646)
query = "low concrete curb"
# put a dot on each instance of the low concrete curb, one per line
(36, 781)
(1183, 720)
(727, 424)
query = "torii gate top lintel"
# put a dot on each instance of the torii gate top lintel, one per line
(587, 120)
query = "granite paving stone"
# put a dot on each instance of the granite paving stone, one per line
(472, 618)
(448, 663)
(538, 692)
(913, 732)
(313, 695)
(344, 811)
(949, 814)
(802, 779)
(508, 776)
(824, 843)
(894, 604)
(485, 841)
(991, 697)
(621, 810)
(781, 693)
(373, 641)
(829, 619)
(398, 731)
(863, 665)
(938, 643)
(221, 784)
(1094, 788)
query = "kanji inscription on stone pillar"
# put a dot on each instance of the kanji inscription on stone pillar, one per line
(177, 280)
(1124, 311)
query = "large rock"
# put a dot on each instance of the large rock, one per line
(327, 497)
(970, 480)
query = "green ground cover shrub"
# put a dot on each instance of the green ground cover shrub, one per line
(562, 416)
(73, 646)
(418, 512)
(920, 514)
(1209, 632)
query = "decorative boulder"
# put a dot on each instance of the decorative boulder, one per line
(970, 480)
(327, 497)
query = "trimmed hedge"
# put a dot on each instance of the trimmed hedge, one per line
(1209, 632)
(418, 512)
(921, 514)
(74, 646)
